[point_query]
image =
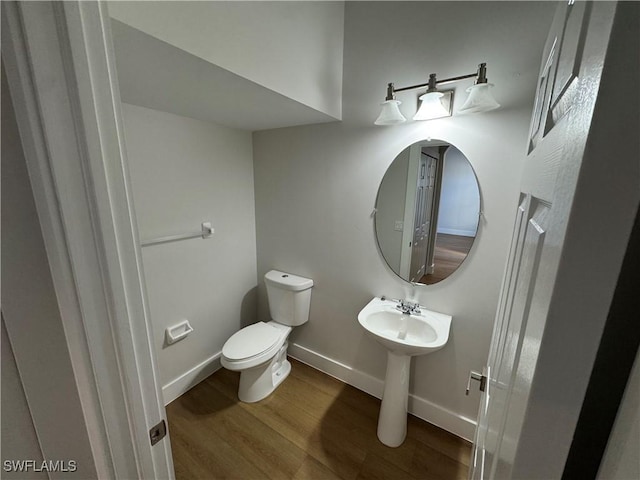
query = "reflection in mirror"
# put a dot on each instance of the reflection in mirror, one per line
(427, 211)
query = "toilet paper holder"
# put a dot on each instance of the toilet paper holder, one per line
(178, 331)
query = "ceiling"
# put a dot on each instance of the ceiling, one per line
(160, 76)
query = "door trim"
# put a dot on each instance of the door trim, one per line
(61, 75)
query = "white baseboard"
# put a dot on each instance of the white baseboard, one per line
(430, 412)
(444, 418)
(191, 378)
(453, 231)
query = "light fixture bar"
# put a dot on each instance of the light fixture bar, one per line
(480, 75)
(438, 82)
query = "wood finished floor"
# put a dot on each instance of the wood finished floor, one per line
(312, 427)
(450, 252)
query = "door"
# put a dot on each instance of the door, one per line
(421, 221)
(422, 224)
(435, 168)
(538, 365)
(494, 445)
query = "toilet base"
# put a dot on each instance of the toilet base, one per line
(260, 381)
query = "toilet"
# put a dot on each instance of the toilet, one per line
(259, 351)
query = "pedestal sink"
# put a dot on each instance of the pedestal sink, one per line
(405, 330)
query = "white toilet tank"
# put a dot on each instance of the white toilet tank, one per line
(289, 297)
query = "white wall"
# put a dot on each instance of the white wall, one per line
(293, 48)
(316, 187)
(393, 190)
(460, 197)
(185, 172)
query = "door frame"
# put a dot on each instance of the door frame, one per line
(61, 72)
(409, 218)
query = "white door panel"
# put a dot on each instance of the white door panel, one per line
(510, 401)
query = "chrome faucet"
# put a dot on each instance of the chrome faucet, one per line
(408, 307)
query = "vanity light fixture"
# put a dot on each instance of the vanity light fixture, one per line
(438, 104)
(434, 104)
(390, 114)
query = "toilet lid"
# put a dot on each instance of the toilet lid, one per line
(250, 341)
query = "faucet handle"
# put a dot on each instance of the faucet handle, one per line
(408, 307)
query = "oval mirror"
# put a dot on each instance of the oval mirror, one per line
(427, 211)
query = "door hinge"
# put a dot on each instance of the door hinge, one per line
(157, 432)
(480, 377)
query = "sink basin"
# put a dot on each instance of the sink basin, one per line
(404, 335)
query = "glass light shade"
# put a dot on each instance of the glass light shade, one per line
(390, 114)
(480, 99)
(431, 107)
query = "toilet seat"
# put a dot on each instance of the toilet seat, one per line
(252, 346)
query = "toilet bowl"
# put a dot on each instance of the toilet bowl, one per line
(259, 351)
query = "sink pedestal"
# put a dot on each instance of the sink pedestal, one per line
(405, 335)
(392, 422)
